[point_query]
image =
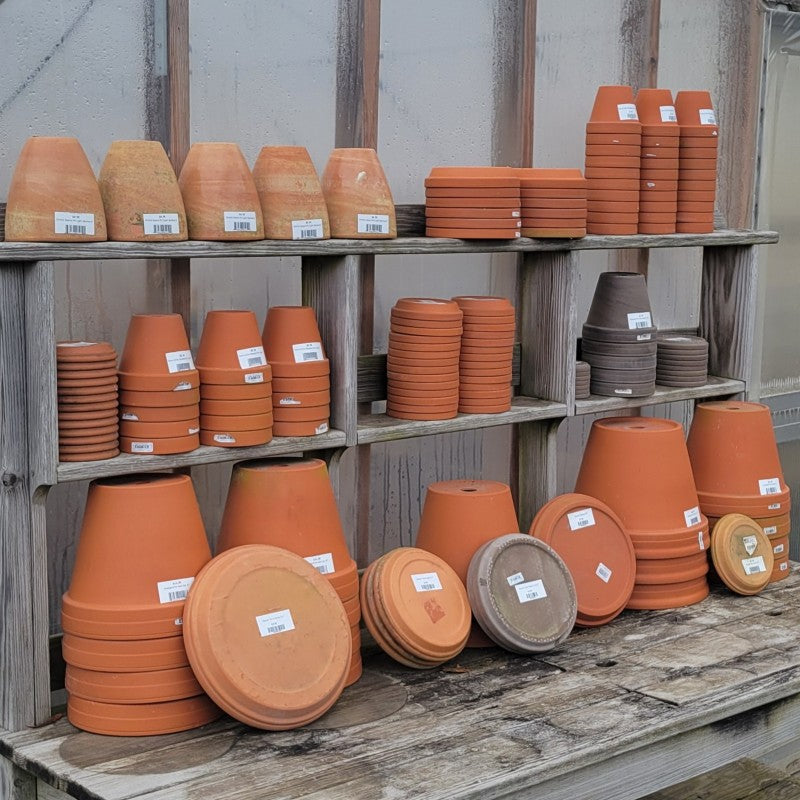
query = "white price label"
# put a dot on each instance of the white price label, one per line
(254, 377)
(532, 590)
(774, 506)
(183, 386)
(236, 221)
(770, 529)
(580, 519)
(276, 622)
(700, 541)
(692, 517)
(623, 391)
(193, 431)
(750, 544)
(516, 578)
(129, 416)
(373, 223)
(784, 566)
(172, 591)
(74, 224)
(307, 351)
(752, 566)
(307, 229)
(778, 549)
(155, 224)
(769, 486)
(322, 428)
(516, 213)
(707, 116)
(668, 114)
(289, 401)
(427, 582)
(251, 357)
(323, 563)
(627, 111)
(224, 438)
(643, 337)
(76, 344)
(603, 572)
(639, 319)
(142, 447)
(179, 361)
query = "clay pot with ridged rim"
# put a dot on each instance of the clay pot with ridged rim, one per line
(291, 337)
(230, 349)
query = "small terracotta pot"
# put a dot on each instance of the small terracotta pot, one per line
(655, 107)
(219, 194)
(230, 349)
(359, 201)
(140, 194)
(654, 596)
(53, 196)
(695, 111)
(291, 337)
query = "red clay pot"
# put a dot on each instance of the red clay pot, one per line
(291, 337)
(655, 107)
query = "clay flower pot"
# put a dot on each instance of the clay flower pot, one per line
(219, 194)
(359, 201)
(291, 194)
(613, 105)
(53, 196)
(140, 194)
(230, 349)
(657, 112)
(695, 113)
(142, 542)
(621, 302)
(293, 343)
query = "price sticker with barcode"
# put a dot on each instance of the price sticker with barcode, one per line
(603, 572)
(769, 486)
(784, 566)
(700, 541)
(639, 319)
(580, 519)
(174, 590)
(752, 566)
(623, 391)
(643, 337)
(307, 351)
(155, 224)
(692, 517)
(531, 590)
(254, 377)
(627, 111)
(142, 447)
(321, 428)
(307, 229)
(668, 114)
(516, 578)
(427, 582)
(128, 415)
(179, 361)
(778, 549)
(707, 116)
(750, 544)
(323, 563)
(276, 622)
(237, 221)
(372, 223)
(73, 223)
(224, 438)
(771, 529)
(251, 357)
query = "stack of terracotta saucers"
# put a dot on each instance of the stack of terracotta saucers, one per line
(697, 180)
(583, 374)
(235, 381)
(613, 142)
(415, 607)
(159, 396)
(301, 373)
(472, 203)
(553, 203)
(141, 544)
(738, 470)
(640, 468)
(422, 367)
(619, 337)
(658, 195)
(487, 350)
(681, 360)
(86, 382)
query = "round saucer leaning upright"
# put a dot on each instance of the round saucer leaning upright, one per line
(267, 637)
(742, 554)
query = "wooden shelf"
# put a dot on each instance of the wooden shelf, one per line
(127, 464)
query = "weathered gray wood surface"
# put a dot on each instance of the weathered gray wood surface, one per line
(491, 725)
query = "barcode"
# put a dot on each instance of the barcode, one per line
(309, 356)
(641, 323)
(275, 628)
(426, 587)
(180, 594)
(254, 361)
(242, 226)
(309, 233)
(162, 228)
(75, 229)
(373, 228)
(183, 366)
(581, 522)
(770, 490)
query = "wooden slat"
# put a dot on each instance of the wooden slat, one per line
(538, 468)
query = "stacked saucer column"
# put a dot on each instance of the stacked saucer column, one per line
(619, 337)
(697, 180)
(553, 203)
(86, 385)
(235, 381)
(658, 195)
(583, 376)
(738, 470)
(681, 361)
(639, 467)
(487, 346)
(422, 367)
(158, 384)
(141, 544)
(301, 373)
(613, 142)
(290, 504)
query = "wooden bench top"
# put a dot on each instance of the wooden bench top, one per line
(616, 712)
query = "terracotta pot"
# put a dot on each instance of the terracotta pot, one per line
(291, 337)
(53, 196)
(183, 398)
(695, 111)
(291, 195)
(300, 428)
(159, 447)
(227, 408)
(159, 430)
(140, 194)
(157, 686)
(357, 195)
(142, 542)
(230, 349)
(655, 107)
(235, 392)
(649, 596)
(219, 194)
(158, 414)
(243, 422)
(226, 438)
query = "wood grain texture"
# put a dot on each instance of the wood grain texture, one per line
(537, 455)
(178, 81)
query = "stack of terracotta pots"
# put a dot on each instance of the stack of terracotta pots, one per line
(619, 337)
(681, 361)
(639, 467)
(738, 470)
(422, 367)
(415, 607)
(472, 203)
(357, 195)
(289, 503)
(86, 385)
(658, 193)
(487, 347)
(301, 373)
(140, 193)
(235, 381)
(219, 194)
(53, 196)
(613, 149)
(159, 394)
(697, 180)
(553, 203)
(460, 516)
(583, 376)
(141, 544)
(291, 195)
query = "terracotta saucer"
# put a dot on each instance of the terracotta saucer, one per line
(670, 544)
(659, 218)
(696, 175)
(471, 183)
(611, 207)
(553, 233)
(742, 554)
(281, 400)
(614, 184)
(594, 217)
(655, 155)
(167, 382)
(472, 233)
(613, 161)
(84, 351)
(625, 150)
(650, 185)
(236, 438)
(648, 206)
(142, 655)
(161, 447)
(553, 192)
(296, 414)
(396, 406)
(159, 399)
(86, 399)
(159, 414)
(611, 173)
(320, 383)
(671, 570)
(481, 202)
(554, 222)
(159, 430)
(304, 370)
(668, 595)
(101, 411)
(705, 187)
(443, 327)
(654, 228)
(87, 377)
(629, 196)
(694, 227)
(623, 126)
(469, 191)
(209, 375)
(157, 686)
(87, 445)
(300, 428)
(483, 408)
(227, 408)
(432, 416)
(432, 213)
(96, 456)
(448, 335)
(613, 230)
(659, 142)
(622, 137)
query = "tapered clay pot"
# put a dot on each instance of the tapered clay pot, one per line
(293, 343)
(613, 104)
(140, 194)
(230, 349)
(291, 194)
(219, 194)
(621, 302)
(142, 542)
(695, 113)
(53, 196)
(657, 112)
(358, 197)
